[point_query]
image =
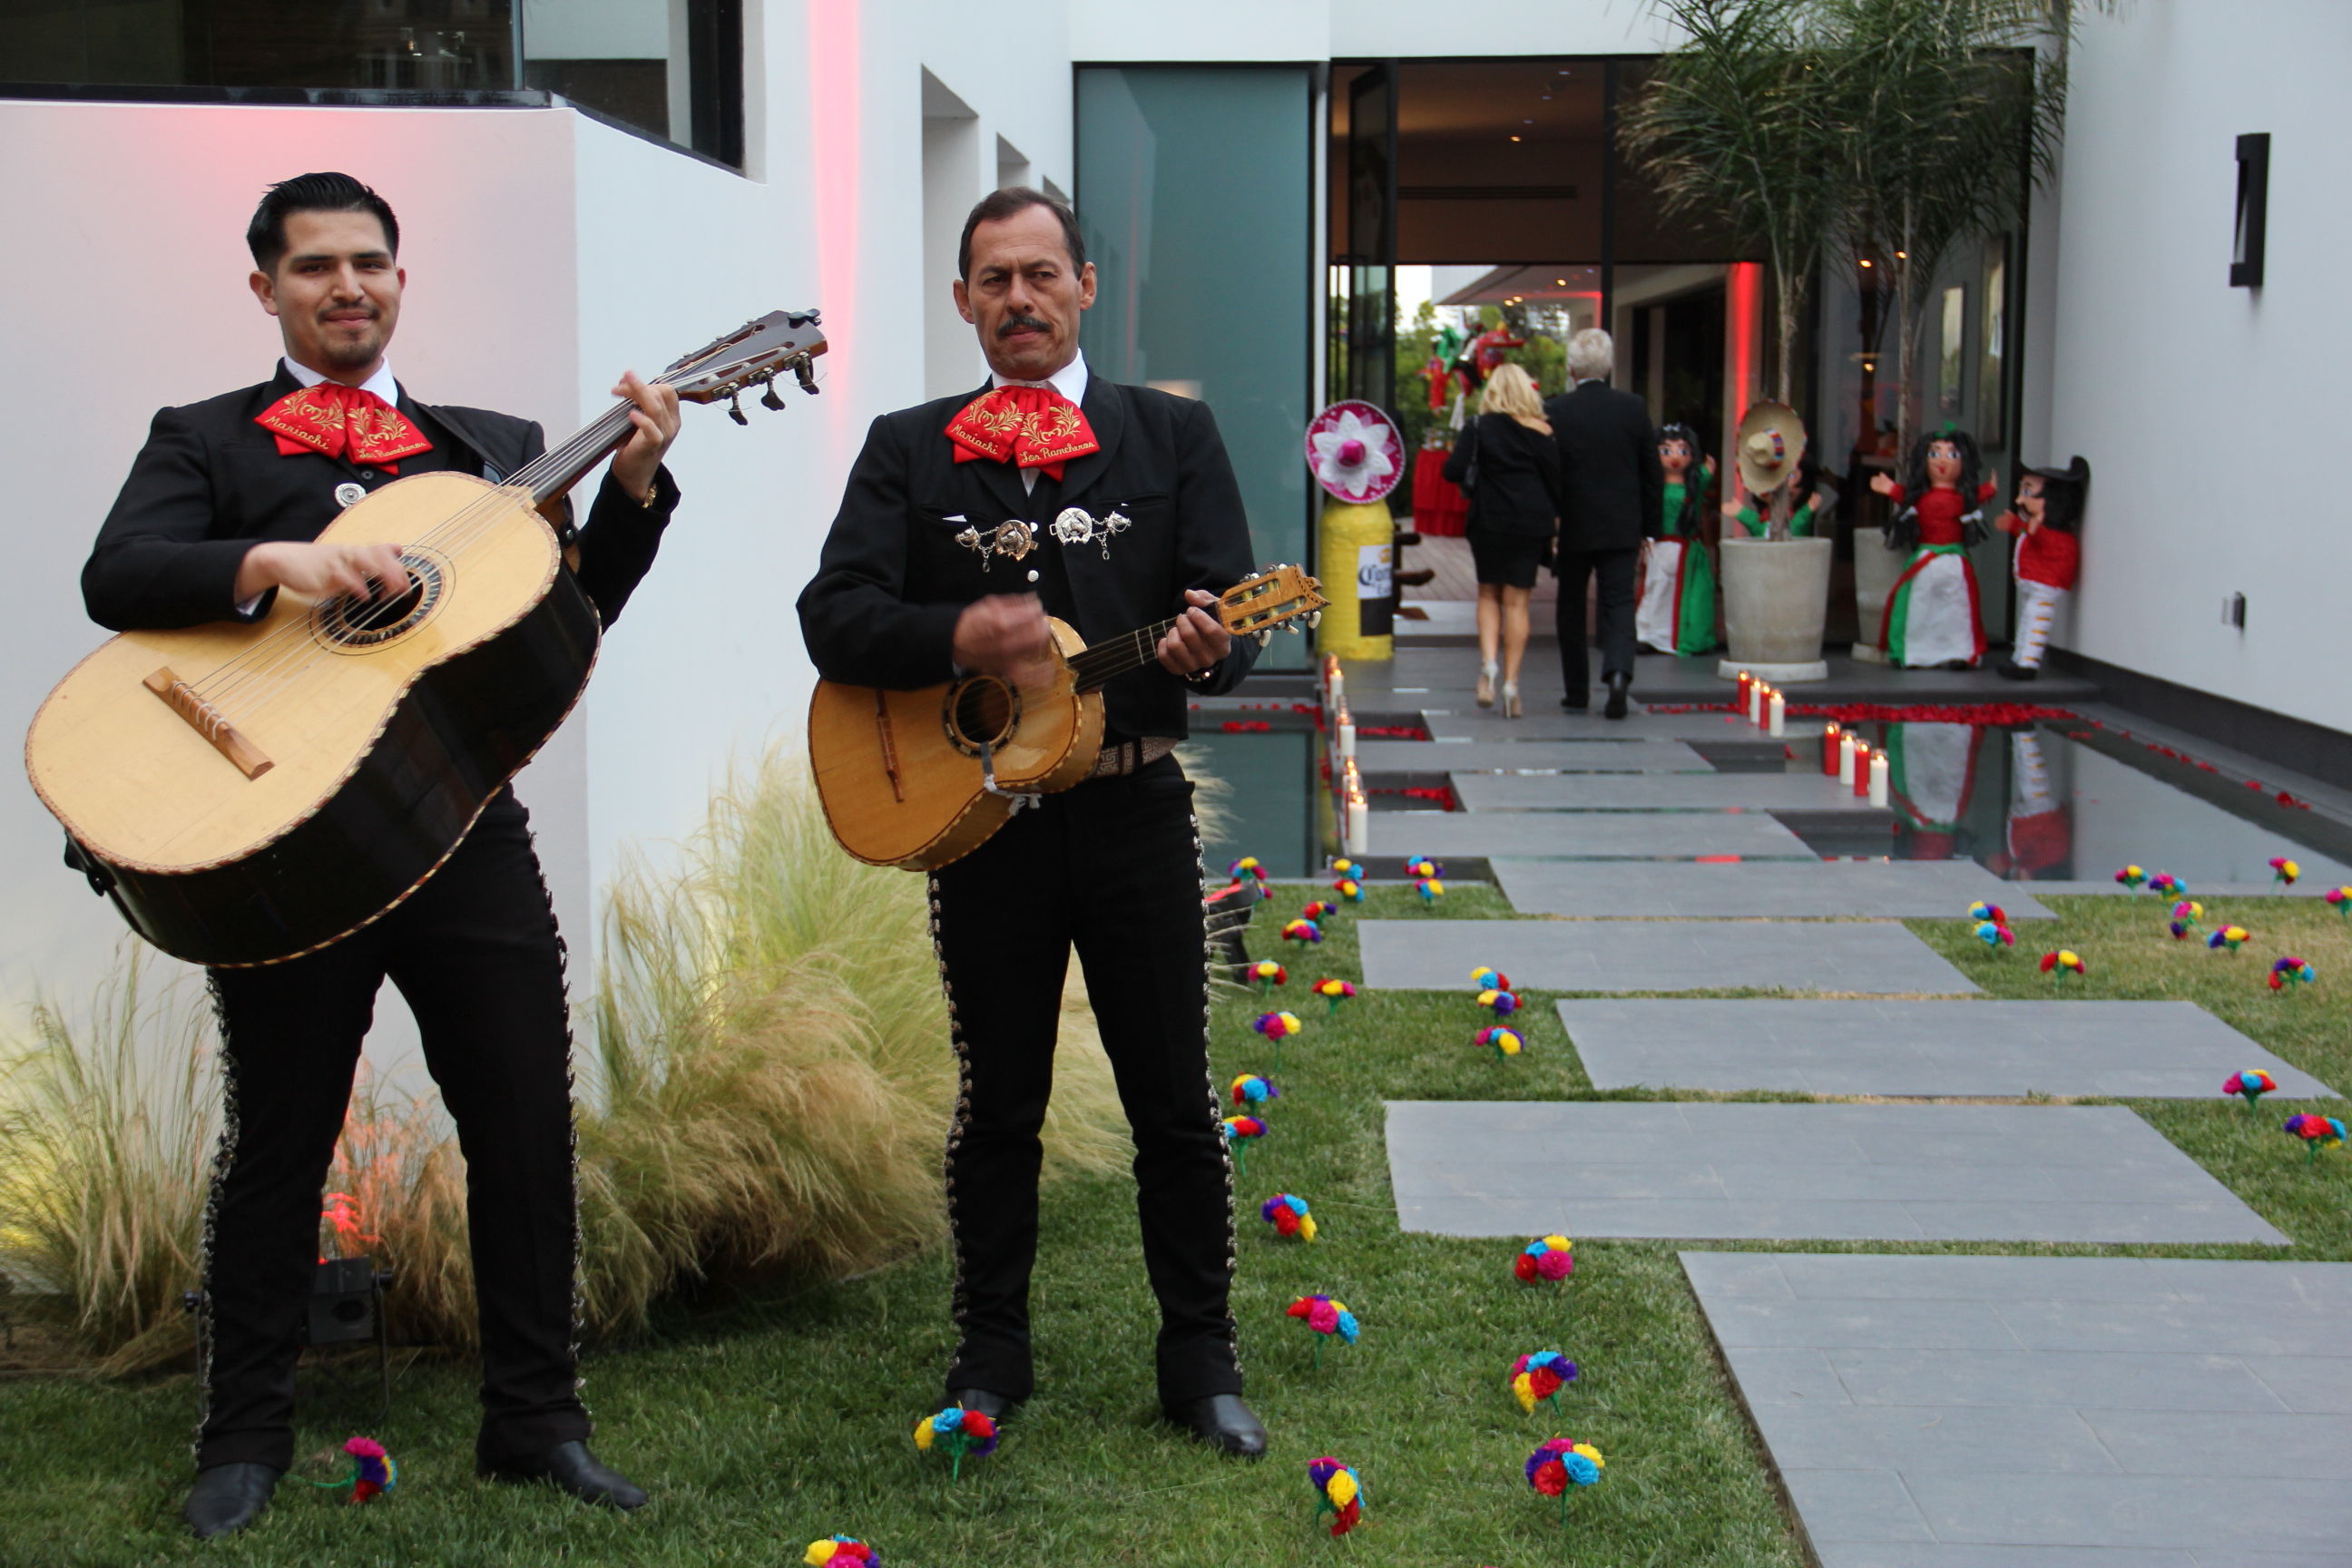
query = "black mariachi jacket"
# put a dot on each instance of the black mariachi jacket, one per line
(893, 576)
(210, 484)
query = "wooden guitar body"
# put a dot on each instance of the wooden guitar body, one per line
(250, 792)
(904, 775)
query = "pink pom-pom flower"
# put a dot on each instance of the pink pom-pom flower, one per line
(2284, 871)
(2227, 938)
(2251, 1085)
(1422, 866)
(2131, 876)
(2185, 916)
(840, 1552)
(373, 1471)
(1995, 936)
(1305, 933)
(1504, 1042)
(2339, 899)
(1547, 1257)
(2291, 971)
(1276, 1026)
(2167, 885)
(1268, 973)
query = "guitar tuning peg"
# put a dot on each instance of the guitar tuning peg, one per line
(735, 410)
(768, 398)
(1266, 637)
(806, 372)
(1314, 619)
(1290, 627)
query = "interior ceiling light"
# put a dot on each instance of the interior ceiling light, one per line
(1514, 138)
(1866, 262)
(1902, 255)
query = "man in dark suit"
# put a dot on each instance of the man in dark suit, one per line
(966, 523)
(220, 511)
(1614, 493)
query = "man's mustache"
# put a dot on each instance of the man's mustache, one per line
(1013, 325)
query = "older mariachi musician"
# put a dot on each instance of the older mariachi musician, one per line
(967, 521)
(221, 509)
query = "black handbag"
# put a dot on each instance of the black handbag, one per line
(1470, 474)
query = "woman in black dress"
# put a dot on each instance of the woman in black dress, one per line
(1506, 460)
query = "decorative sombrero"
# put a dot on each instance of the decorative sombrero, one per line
(1355, 452)
(1770, 443)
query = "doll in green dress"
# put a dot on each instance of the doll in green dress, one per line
(1811, 504)
(1676, 612)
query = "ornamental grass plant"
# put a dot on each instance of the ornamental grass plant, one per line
(768, 1090)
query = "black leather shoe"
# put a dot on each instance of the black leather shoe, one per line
(228, 1498)
(988, 1402)
(1222, 1422)
(2012, 671)
(1619, 685)
(1576, 704)
(572, 1469)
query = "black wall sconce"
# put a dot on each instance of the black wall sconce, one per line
(2253, 207)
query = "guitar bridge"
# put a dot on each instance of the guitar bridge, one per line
(208, 722)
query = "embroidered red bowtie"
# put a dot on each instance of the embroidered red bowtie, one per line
(337, 419)
(1028, 426)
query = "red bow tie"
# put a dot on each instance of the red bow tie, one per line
(334, 418)
(1028, 426)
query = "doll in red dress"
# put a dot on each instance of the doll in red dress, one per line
(2049, 510)
(1932, 616)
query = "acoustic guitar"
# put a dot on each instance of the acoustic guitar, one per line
(917, 779)
(248, 793)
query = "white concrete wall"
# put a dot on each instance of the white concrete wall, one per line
(1135, 32)
(2207, 413)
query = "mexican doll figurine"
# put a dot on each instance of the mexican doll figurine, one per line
(1932, 615)
(1676, 612)
(2049, 510)
(1809, 507)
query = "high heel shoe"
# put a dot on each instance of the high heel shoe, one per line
(1485, 686)
(1511, 708)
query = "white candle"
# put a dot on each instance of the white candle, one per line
(1845, 758)
(1780, 710)
(1756, 702)
(1337, 685)
(1878, 778)
(1347, 742)
(1360, 823)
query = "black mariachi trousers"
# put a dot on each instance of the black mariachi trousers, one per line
(1111, 868)
(475, 951)
(1618, 571)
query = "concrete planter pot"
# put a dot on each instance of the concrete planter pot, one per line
(1875, 567)
(1776, 594)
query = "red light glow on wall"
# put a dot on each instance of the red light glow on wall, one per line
(835, 110)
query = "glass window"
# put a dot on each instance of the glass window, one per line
(671, 68)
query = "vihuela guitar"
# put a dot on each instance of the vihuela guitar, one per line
(921, 778)
(248, 793)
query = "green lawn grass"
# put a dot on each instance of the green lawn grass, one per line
(763, 1423)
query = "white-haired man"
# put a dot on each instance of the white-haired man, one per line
(1613, 492)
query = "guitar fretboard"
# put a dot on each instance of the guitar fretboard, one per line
(1099, 666)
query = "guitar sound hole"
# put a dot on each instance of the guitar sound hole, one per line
(360, 624)
(981, 711)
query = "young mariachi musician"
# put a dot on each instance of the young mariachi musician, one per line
(222, 510)
(1932, 615)
(2049, 558)
(1676, 611)
(966, 523)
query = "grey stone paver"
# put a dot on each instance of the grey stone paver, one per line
(1887, 889)
(2121, 1049)
(1622, 756)
(1634, 791)
(1584, 835)
(1897, 1173)
(2110, 1435)
(1862, 957)
(1474, 726)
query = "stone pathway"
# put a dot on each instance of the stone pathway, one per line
(1594, 756)
(1787, 888)
(2117, 1049)
(1722, 792)
(1930, 1412)
(1657, 955)
(1586, 834)
(1832, 1173)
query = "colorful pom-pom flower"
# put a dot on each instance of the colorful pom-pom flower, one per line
(1318, 911)
(2292, 970)
(1345, 867)
(1241, 1132)
(1995, 936)
(1349, 889)
(2339, 899)
(1277, 1027)
(1337, 1493)
(840, 1552)
(2131, 876)
(1502, 1003)
(2167, 885)
(1335, 992)
(1981, 912)
(1246, 869)
(1286, 1212)
(2185, 916)
(958, 1432)
(1559, 1465)
(1430, 888)
(1329, 1320)
(2317, 1133)
(1302, 932)
(1546, 1258)
(1541, 1376)
(2250, 1085)
(1423, 866)
(373, 1471)
(1250, 1090)
(2064, 962)
(1504, 1042)
(1268, 974)
(2284, 871)
(1484, 978)
(2228, 939)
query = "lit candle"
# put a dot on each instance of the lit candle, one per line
(1756, 690)
(1830, 748)
(1746, 680)
(1865, 759)
(1779, 712)
(1347, 741)
(1359, 821)
(1336, 685)
(1847, 744)
(1878, 778)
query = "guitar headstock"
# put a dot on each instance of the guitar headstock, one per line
(753, 355)
(1281, 595)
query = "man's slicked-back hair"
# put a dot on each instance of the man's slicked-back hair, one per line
(998, 206)
(266, 235)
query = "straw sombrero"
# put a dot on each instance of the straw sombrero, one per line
(1769, 445)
